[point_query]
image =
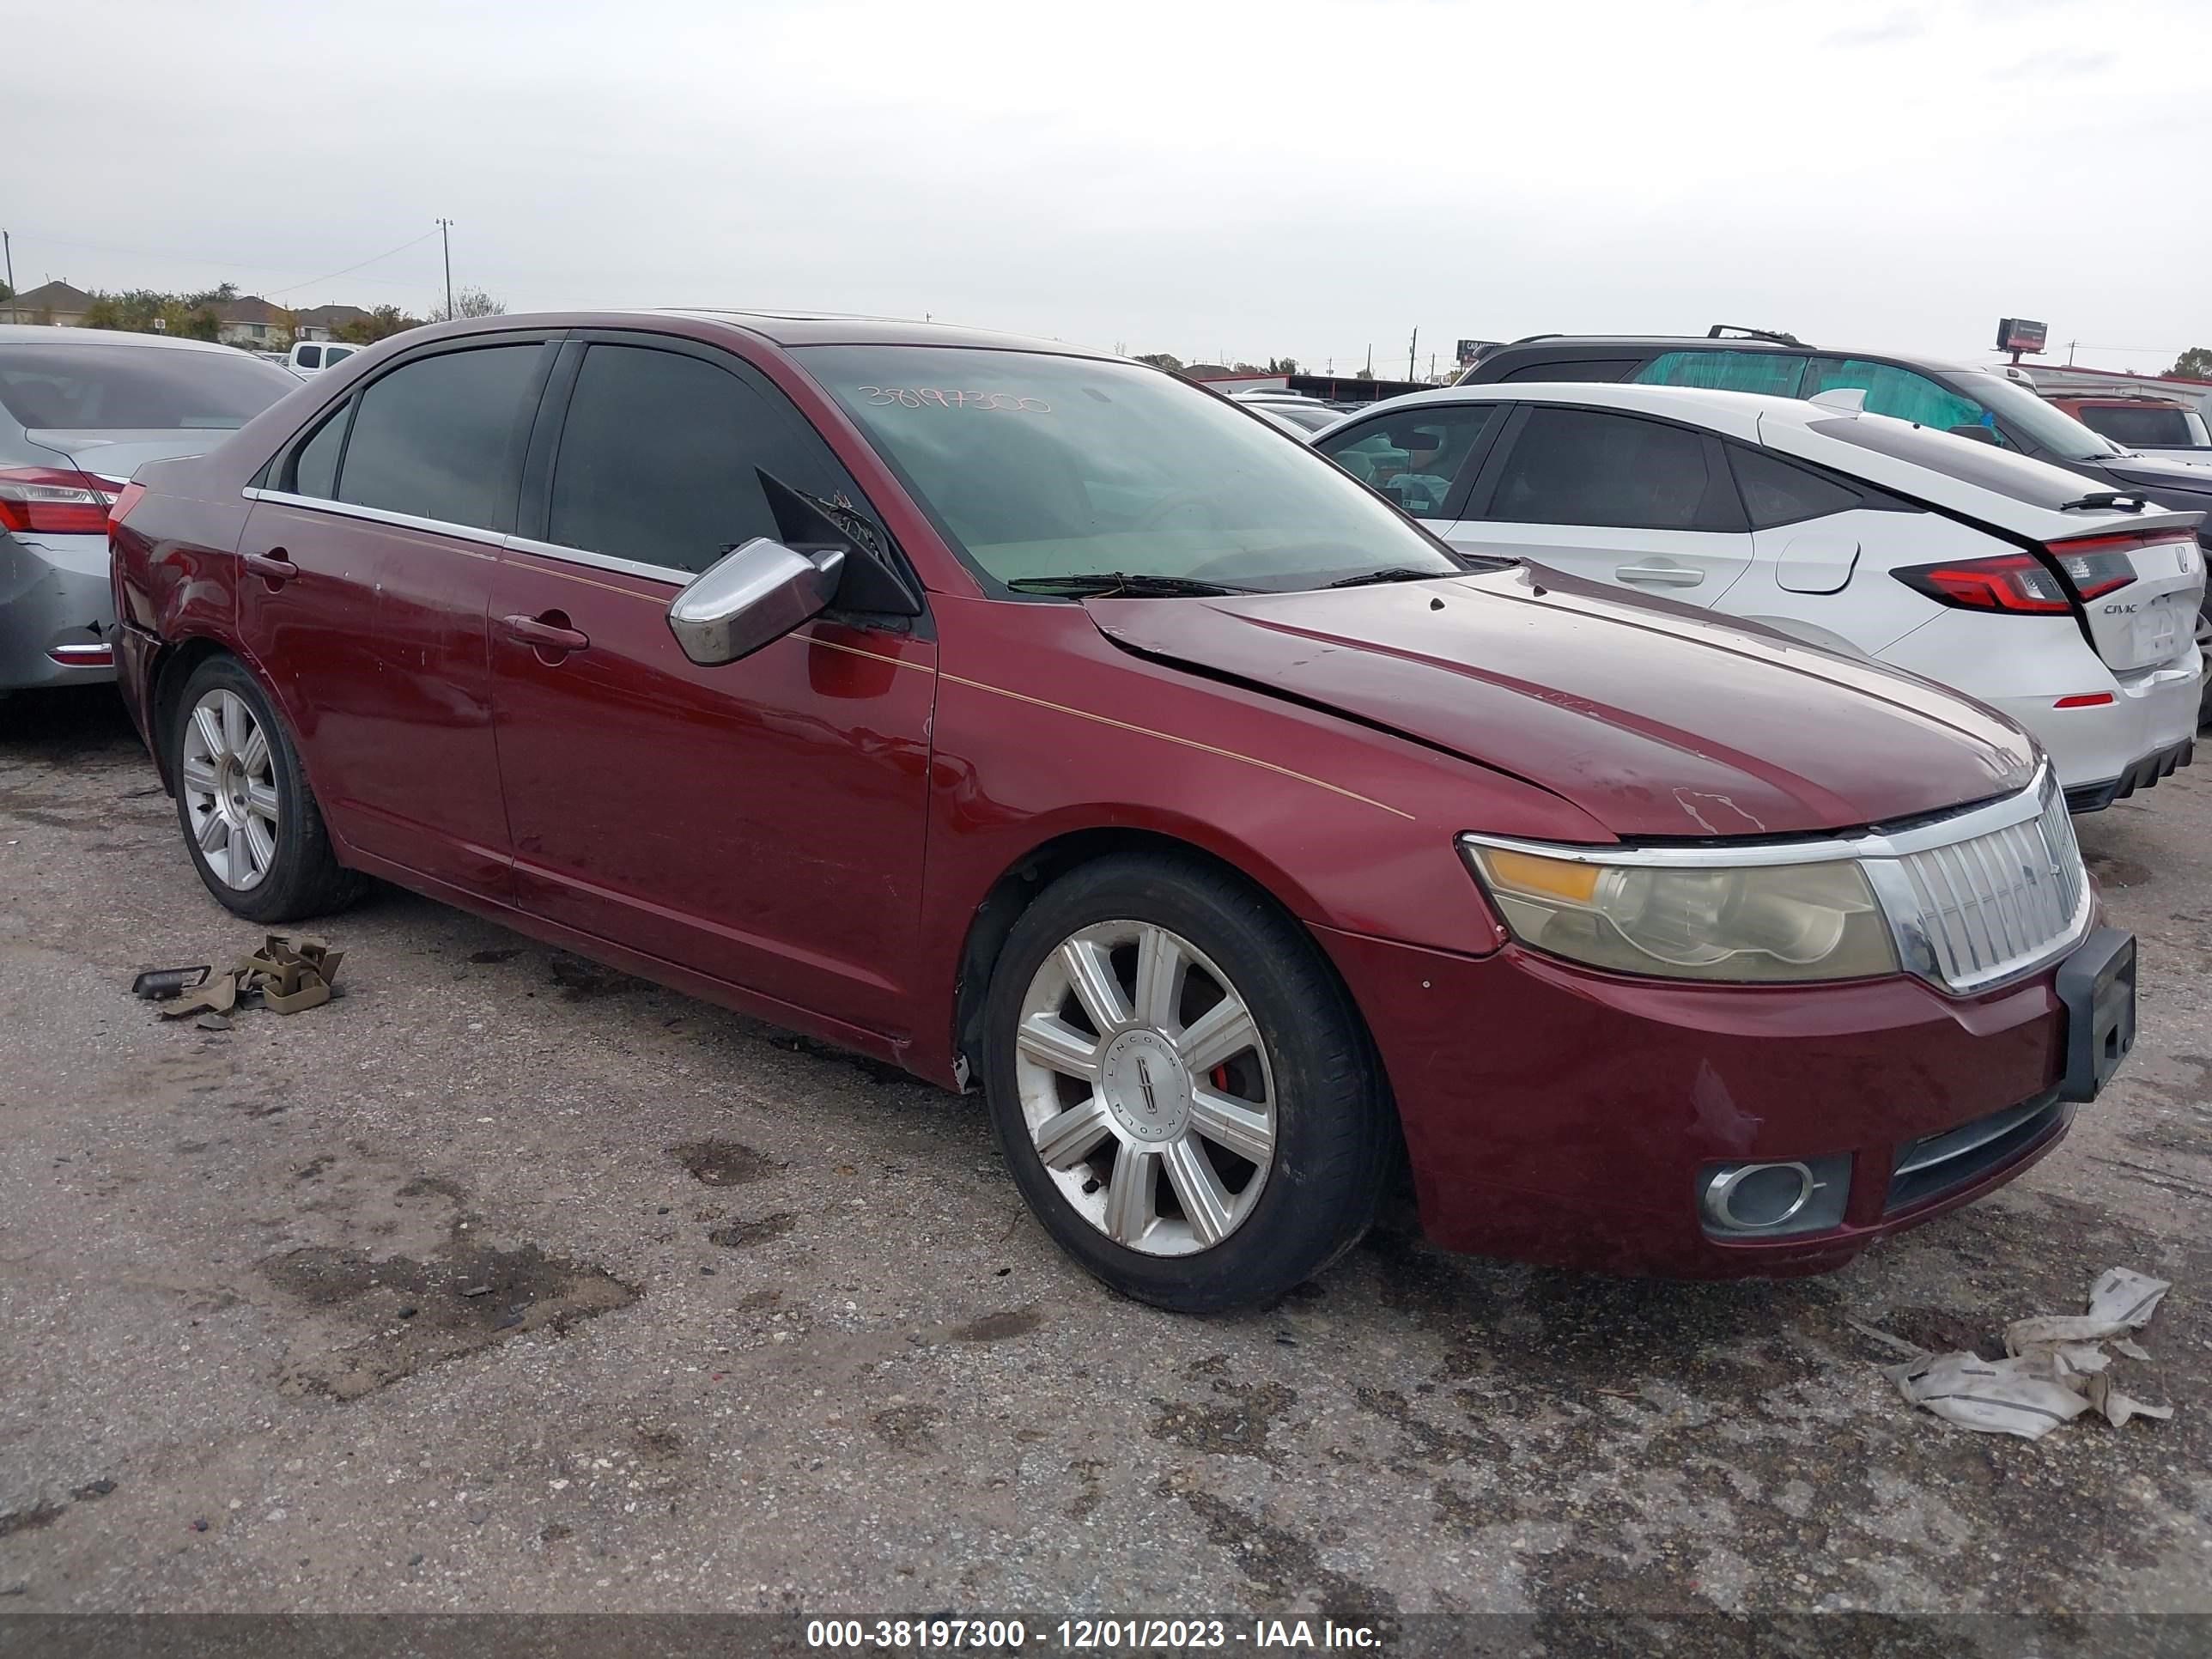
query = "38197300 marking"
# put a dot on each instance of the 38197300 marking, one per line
(930, 397)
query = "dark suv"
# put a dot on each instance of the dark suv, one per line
(1962, 398)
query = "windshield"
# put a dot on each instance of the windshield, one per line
(2052, 428)
(68, 387)
(1039, 467)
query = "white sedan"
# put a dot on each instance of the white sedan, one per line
(2070, 609)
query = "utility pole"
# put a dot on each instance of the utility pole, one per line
(1371, 360)
(445, 238)
(7, 247)
(2070, 344)
(1411, 346)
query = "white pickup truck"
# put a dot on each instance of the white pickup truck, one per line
(314, 356)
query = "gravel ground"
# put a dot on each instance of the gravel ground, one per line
(766, 1327)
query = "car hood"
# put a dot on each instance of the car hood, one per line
(1652, 718)
(119, 455)
(2169, 481)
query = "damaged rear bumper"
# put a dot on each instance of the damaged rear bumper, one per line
(57, 611)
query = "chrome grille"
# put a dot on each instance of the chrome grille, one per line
(1979, 909)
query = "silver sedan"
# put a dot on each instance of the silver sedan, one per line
(81, 410)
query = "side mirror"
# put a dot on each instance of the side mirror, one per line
(752, 596)
(1977, 431)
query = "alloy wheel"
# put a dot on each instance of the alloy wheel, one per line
(230, 784)
(1148, 1092)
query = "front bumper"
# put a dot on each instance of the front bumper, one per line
(1561, 1115)
(57, 611)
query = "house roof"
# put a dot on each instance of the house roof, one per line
(329, 316)
(53, 296)
(251, 308)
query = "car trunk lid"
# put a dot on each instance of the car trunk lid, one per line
(115, 456)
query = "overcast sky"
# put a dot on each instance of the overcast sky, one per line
(1205, 177)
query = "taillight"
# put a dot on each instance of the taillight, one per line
(2018, 582)
(2098, 565)
(60, 500)
(124, 502)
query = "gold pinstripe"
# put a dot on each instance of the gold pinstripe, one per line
(1123, 725)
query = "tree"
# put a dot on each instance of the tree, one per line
(1166, 360)
(2194, 364)
(1282, 365)
(380, 323)
(471, 302)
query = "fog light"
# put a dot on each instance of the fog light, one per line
(1759, 1195)
(1745, 1200)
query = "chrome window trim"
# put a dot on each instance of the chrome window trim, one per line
(1883, 860)
(2022, 808)
(466, 532)
(656, 572)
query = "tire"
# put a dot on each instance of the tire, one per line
(2204, 645)
(1307, 1129)
(264, 869)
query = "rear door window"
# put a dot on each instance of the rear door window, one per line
(1776, 373)
(309, 356)
(441, 437)
(1416, 455)
(1583, 467)
(1904, 393)
(660, 459)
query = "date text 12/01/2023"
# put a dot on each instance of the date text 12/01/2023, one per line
(1088, 1635)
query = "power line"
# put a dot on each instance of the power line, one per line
(387, 254)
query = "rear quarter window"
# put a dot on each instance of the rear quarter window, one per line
(1574, 368)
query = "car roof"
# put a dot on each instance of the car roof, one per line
(801, 328)
(1733, 414)
(47, 334)
(1568, 346)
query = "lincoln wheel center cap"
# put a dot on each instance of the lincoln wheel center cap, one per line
(1146, 1086)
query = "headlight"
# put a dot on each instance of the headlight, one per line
(1691, 920)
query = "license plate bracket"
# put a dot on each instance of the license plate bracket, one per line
(2097, 984)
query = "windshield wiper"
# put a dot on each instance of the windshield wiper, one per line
(1396, 572)
(1107, 583)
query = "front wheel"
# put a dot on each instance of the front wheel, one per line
(1181, 1086)
(251, 824)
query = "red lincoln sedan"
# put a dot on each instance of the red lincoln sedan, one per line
(1035, 720)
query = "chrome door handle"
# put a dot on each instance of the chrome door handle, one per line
(1661, 576)
(545, 635)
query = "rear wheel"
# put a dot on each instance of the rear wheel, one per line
(249, 822)
(1180, 1087)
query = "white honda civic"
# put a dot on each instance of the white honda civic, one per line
(2071, 609)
